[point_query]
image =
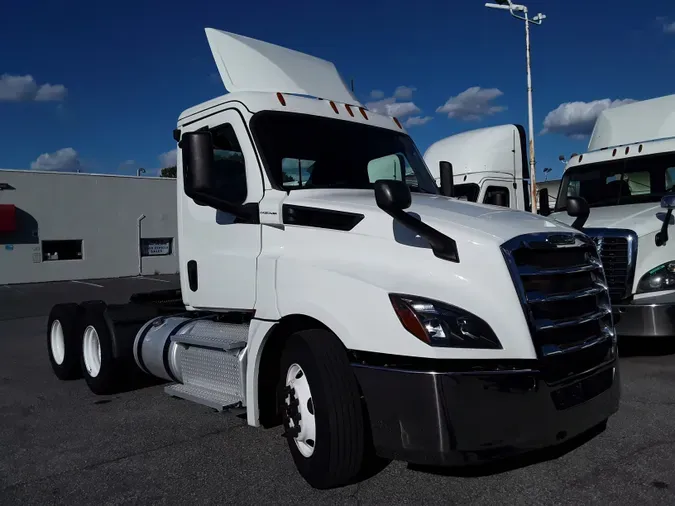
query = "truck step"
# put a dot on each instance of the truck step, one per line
(205, 396)
(214, 335)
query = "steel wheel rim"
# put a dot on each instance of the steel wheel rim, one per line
(57, 342)
(305, 440)
(91, 350)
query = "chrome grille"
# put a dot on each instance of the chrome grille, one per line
(618, 252)
(563, 292)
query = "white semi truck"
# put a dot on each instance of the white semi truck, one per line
(329, 285)
(627, 171)
(489, 165)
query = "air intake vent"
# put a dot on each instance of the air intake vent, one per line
(618, 251)
(565, 298)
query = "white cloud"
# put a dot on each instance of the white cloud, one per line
(391, 105)
(472, 104)
(666, 25)
(50, 92)
(168, 159)
(576, 119)
(417, 120)
(63, 160)
(404, 92)
(25, 89)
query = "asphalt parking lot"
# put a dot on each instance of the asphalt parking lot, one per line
(60, 444)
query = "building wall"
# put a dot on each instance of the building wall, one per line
(101, 211)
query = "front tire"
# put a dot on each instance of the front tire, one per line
(322, 410)
(63, 341)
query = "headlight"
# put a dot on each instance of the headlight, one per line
(659, 278)
(439, 324)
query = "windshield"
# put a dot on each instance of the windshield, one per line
(302, 151)
(619, 182)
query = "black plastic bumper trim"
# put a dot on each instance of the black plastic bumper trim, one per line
(459, 418)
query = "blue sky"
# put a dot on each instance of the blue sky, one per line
(100, 85)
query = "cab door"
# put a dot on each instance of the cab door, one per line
(218, 251)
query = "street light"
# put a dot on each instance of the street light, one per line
(547, 171)
(508, 5)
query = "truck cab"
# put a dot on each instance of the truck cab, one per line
(330, 286)
(625, 174)
(489, 165)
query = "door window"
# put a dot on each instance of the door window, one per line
(230, 173)
(493, 191)
(467, 191)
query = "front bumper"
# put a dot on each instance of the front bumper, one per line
(648, 317)
(449, 419)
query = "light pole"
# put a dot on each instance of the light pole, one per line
(508, 5)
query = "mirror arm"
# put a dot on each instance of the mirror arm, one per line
(579, 223)
(443, 246)
(661, 237)
(246, 213)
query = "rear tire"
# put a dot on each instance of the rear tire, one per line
(63, 341)
(322, 410)
(102, 372)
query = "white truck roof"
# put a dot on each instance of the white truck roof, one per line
(479, 150)
(643, 121)
(254, 72)
(247, 64)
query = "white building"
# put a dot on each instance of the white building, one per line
(62, 226)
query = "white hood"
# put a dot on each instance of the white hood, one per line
(457, 219)
(642, 218)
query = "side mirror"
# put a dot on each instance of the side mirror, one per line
(667, 202)
(544, 207)
(392, 195)
(577, 207)
(199, 177)
(197, 148)
(447, 179)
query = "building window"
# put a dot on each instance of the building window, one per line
(158, 246)
(70, 249)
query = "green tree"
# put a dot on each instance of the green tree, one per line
(168, 172)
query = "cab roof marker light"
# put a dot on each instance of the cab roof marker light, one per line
(363, 112)
(349, 110)
(398, 123)
(281, 98)
(627, 149)
(332, 104)
(614, 152)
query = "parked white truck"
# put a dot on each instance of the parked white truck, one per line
(328, 285)
(624, 176)
(489, 165)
